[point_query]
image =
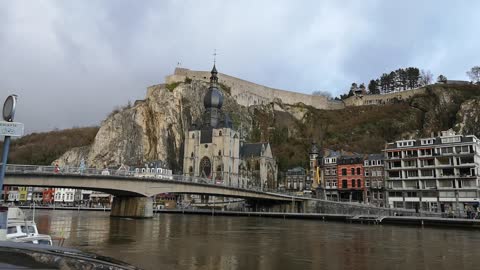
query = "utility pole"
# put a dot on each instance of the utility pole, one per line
(8, 128)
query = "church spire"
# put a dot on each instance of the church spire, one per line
(214, 72)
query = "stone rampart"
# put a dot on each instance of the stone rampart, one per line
(247, 93)
(361, 100)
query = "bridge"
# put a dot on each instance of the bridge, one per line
(133, 192)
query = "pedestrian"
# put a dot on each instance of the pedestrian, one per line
(56, 169)
(469, 212)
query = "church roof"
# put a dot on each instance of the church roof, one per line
(252, 149)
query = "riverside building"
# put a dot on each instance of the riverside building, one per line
(375, 179)
(433, 174)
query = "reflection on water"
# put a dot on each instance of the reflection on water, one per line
(205, 242)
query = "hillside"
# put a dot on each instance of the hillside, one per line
(154, 128)
(44, 148)
(366, 129)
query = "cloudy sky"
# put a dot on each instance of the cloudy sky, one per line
(72, 62)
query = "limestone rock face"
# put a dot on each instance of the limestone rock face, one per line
(468, 117)
(152, 129)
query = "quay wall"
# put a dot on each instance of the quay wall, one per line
(353, 209)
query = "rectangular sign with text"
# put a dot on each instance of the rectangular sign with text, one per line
(11, 128)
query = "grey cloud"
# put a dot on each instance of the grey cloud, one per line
(72, 62)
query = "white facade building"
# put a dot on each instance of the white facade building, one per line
(64, 195)
(435, 174)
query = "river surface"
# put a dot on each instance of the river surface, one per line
(174, 241)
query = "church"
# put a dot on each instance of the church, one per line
(215, 150)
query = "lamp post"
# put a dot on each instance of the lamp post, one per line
(8, 128)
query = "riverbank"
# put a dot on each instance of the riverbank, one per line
(363, 219)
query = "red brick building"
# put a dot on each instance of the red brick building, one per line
(351, 178)
(48, 196)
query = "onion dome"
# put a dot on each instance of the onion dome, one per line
(213, 98)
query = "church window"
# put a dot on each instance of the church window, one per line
(190, 171)
(205, 167)
(193, 135)
(257, 165)
(220, 133)
(219, 152)
(191, 154)
(206, 145)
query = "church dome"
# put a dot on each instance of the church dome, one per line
(213, 98)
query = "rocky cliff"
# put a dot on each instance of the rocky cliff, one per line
(154, 128)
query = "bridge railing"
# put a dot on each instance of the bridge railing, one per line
(68, 170)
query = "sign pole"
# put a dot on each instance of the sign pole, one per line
(8, 129)
(6, 146)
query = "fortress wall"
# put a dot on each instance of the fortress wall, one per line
(247, 93)
(381, 99)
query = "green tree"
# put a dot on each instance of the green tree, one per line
(441, 79)
(413, 77)
(373, 87)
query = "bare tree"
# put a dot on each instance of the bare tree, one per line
(474, 74)
(425, 77)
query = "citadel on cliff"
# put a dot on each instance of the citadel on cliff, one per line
(248, 93)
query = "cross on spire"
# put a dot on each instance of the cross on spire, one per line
(214, 56)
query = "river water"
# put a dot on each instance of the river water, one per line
(174, 241)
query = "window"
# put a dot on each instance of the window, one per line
(344, 183)
(358, 171)
(427, 141)
(220, 133)
(11, 230)
(344, 171)
(426, 173)
(193, 135)
(219, 152)
(353, 171)
(451, 139)
(395, 194)
(359, 183)
(411, 194)
(353, 183)
(447, 150)
(412, 174)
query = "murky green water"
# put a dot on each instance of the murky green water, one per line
(205, 242)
